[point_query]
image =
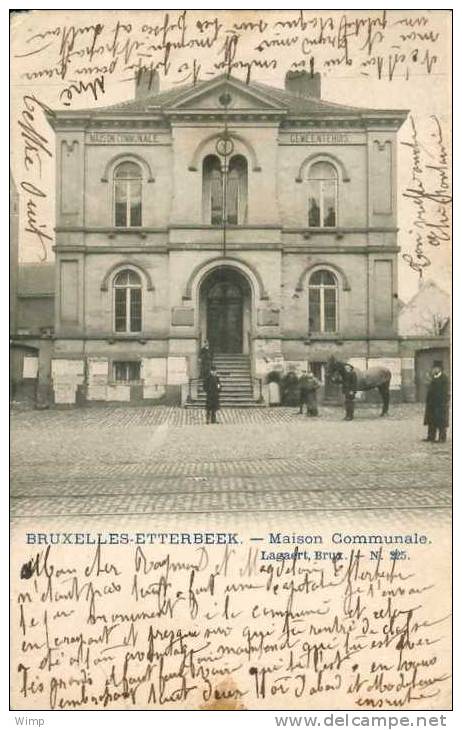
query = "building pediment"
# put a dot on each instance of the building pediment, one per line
(239, 97)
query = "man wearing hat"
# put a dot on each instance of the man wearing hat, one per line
(436, 404)
(349, 388)
(212, 386)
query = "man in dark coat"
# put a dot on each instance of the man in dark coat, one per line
(436, 405)
(349, 388)
(212, 387)
(303, 391)
(205, 361)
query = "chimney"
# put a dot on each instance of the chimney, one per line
(146, 82)
(303, 83)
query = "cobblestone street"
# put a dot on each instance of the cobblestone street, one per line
(131, 463)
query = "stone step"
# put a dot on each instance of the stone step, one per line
(237, 393)
(233, 368)
(237, 389)
(244, 378)
(252, 404)
(235, 403)
(234, 384)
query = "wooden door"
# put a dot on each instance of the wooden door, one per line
(224, 318)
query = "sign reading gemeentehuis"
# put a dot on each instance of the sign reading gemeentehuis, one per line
(126, 138)
(321, 138)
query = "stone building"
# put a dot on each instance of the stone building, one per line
(31, 344)
(262, 219)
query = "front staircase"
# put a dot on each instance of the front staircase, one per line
(237, 384)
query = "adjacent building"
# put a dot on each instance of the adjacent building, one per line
(259, 218)
(424, 329)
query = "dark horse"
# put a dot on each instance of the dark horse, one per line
(378, 377)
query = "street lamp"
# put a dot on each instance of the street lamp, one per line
(224, 148)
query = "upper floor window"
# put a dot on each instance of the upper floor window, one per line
(127, 195)
(323, 301)
(127, 301)
(236, 198)
(322, 197)
(216, 198)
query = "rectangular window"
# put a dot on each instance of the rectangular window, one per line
(135, 203)
(330, 310)
(135, 310)
(121, 191)
(232, 200)
(120, 310)
(127, 372)
(329, 193)
(216, 199)
(315, 310)
(314, 201)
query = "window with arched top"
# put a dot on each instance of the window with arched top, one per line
(236, 198)
(127, 287)
(216, 198)
(323, 301)
(322, 195)
(127, 195)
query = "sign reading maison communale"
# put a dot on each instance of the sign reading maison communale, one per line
(126, 138)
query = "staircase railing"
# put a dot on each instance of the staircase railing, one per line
(259, 381)
(250, 348)
(191, 381)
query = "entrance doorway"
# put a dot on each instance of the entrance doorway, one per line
(226, 295)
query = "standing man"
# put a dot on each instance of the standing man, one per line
(436, 405)
(303, 385)
(205, 361)
(349, 388)
(212, 389)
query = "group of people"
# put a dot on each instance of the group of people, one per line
(436, 405)
(309, 385)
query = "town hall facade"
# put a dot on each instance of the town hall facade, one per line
(261, 219)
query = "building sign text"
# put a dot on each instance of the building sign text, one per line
(125, 138)
(321, 138)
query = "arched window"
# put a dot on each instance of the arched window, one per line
(322, 195)
(236, 198)
(127, 195)
(213, 190)
(323, 301)
(127, 301)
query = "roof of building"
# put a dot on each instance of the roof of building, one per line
(287, 102)
(421, 292)
(36, 279)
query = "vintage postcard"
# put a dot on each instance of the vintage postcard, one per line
(230, 316)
